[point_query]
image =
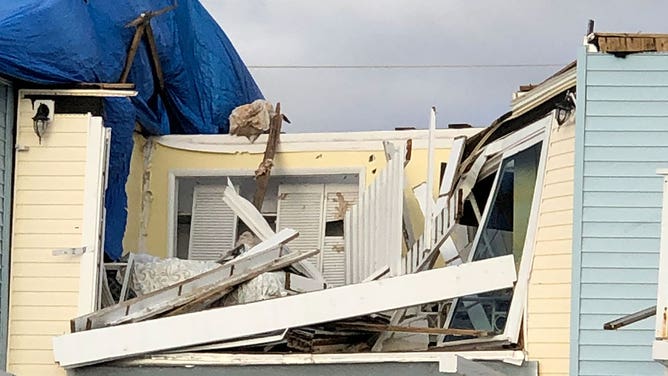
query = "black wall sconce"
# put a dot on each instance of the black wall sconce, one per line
(41, 120)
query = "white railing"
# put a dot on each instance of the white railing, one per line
(420, 251)
(374, 227)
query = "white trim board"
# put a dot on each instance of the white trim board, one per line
(294, 142)
(93, 214)
(191, 329)
(227, 359)
(79, 92)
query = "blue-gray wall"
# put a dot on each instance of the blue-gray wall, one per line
(621, 140)
(6, 175)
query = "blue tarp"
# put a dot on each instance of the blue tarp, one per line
(71, 41)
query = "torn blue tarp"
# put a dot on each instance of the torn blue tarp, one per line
(71, 41)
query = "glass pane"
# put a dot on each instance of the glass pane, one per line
(503, 234)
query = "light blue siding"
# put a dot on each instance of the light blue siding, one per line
(621, 140)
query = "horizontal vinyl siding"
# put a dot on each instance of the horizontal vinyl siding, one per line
(548, 322)
(48, 212)
(625, 142)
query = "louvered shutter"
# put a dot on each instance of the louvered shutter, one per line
(213, 224)
(333, 264)
(300, 207)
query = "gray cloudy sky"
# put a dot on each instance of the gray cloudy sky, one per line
(404, 32)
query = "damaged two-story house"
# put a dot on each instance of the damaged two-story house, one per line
(130, 244)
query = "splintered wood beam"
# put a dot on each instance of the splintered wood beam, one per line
(244, 320)
(264, 169)
(155, 60)
(132, 52)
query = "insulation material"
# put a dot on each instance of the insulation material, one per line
(151, 273)
(251, 120)
(263, 287)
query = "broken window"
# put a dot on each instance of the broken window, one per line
(506, 218)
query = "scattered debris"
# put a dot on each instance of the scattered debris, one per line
(251, 120)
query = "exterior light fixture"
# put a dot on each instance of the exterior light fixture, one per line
(41, 120)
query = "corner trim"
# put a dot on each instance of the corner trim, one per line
(580, 119)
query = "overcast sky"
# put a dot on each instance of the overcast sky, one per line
(398, 32)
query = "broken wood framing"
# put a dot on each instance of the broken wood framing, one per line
(378, 274)
(207, 296)
(159, 298)
(127, 278)
(247, 212)
(411, 329)
(264, 169)
(295, 282)
(252, 217)
(192, 329)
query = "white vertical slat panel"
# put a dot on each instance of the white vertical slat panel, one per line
(300, 207)
(213, 224)
(378, 223)
(348, 241)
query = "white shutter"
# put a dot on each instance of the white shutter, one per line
(339, 199)
(300, 207)
(212, 225)
(334, 261)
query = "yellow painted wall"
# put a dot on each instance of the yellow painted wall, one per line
(548, 313)
(47, 214)
(165, 159)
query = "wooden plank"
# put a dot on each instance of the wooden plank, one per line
(103, 317)
(262, 340)
(83, 348)
(134, 45)
(378, 274)
(264, 169)
(247, 212)
(126, 278)
(410, 329)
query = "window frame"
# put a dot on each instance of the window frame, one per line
(506, 147)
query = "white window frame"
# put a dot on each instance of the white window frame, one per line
(175, 174)
(506, 147)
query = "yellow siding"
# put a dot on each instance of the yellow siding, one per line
(165, 159)
(47, 214)
(548, 311)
